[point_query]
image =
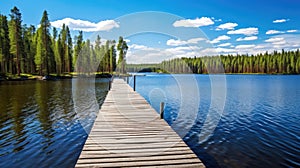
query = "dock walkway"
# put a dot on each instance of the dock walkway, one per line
(128, 132)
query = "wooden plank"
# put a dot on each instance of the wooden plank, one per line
(128, 132)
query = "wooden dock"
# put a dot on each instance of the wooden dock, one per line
(128, 132)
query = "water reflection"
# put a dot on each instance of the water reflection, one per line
(4, 119)
(86, 101)
(42, 98)
(17, 103)
(38, 124)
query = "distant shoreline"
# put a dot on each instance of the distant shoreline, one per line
(29, 77)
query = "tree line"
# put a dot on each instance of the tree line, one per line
(27, 49)
(284, 62)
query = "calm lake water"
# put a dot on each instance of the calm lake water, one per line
(228, 121)
(39, 125)
(255, 121)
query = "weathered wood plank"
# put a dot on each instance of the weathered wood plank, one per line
(128, 132)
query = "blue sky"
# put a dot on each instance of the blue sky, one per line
(175, 28)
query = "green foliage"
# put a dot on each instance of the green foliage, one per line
(101, 58)
(4, 45)
(145, 68)
(38, 59)
(44, 59)
(113, 56)
(15, 36)
(29, 49)
(284, 62)
(68, 57)
(24, 49)
(122, 47)
(79, 44)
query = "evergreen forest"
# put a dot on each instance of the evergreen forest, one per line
(44, 50)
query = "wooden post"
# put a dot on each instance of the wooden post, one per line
(162, 110)
(134, 82)
(109, 84)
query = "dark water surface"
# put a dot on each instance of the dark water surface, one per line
(258, 126)
(38, 123)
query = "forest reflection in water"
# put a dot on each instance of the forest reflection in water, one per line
(38, 121)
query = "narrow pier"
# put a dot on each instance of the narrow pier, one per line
(128, 132)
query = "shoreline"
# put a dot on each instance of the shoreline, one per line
(30, 77)
(51, 77)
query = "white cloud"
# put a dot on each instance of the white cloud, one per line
(141, 47)
(144, 54)
(245, 31)
(223, 37)
(276, 43)
(173, 42)
(228, 26)
(274, 32)
(224, 45)
(87, 26)
(219, 39)
(279, 42)
(217, 20)
(195, 40)
(198, 22)
(245, 46)
(287, 41)
(250, 38)
(181, 50)
(292, 31)
(280, 20)
(127, 40)
(274, 39)
(225, 50)
(259, 47)
(216, 51)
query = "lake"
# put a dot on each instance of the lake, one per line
(240, 120)
(39, 123)
(228, 121)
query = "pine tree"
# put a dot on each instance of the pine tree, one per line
(78, 47)
(15, 36)
(39, 55)
(122, 47)
(55, 48)
(4, 45)
(44, 56)
(99, 52)
(106, 57)
(113, 55)
(63, 34)
(68, 55)
(66, 46)
(86, 57)
(29, 48)
(58, 52)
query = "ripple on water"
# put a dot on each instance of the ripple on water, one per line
(38, 124)
(258, 128)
